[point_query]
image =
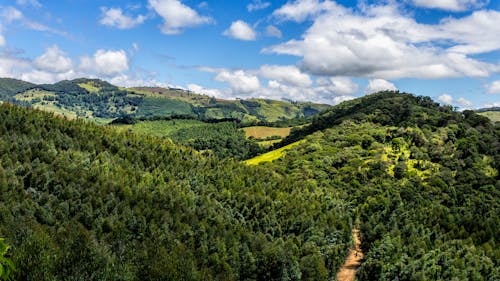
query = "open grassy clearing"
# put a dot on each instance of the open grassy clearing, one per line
(493, 115)
(261, 132)
(272, 155)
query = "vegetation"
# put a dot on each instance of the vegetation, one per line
(420, 181)
(222, 139)
(494, 116)
(84, 202)
(94, 99)
(6, 265)
(426, 191)
(272, 155)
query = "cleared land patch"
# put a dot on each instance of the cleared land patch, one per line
(261, 132)
(272, 155)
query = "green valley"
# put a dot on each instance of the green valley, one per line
(179, 197)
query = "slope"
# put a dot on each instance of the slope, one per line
(101, 101)
(427, 192)
(84, 202)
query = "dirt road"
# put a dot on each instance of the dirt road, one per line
(348, 270)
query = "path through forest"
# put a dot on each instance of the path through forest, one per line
(348, 270)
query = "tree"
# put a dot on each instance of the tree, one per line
(6, 265)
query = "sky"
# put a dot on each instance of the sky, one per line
(302, 50)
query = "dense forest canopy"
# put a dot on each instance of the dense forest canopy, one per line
(83, 202)
(419, 180)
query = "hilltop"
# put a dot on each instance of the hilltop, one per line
(419, 181)
(99, 100)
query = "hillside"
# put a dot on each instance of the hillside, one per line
(425, 184)
(98, 100)
(84, 202)
(419, 181)
(492, 113)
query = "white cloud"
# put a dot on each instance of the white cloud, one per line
(105, 62)
(445, 99)
(464, 102)
(377, 85)
(337, 85)
(450, 5)
(240, 30)
(301, 10)
(114, 17)
(54, 60)
(257, 5)
(177, 16)
(3, 42)
(273, 31)
(494, 87)
(382, 42)
(285, 74)
(449, 100)
(33, 3)
(205, 91)
(283, 82)
(11, 14)
(240, 81)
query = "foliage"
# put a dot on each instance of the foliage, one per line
(84, 202)
(427, 196)
(10, 87)
(6, 265)
(272, 155)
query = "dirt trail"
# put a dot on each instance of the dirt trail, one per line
(348, 270)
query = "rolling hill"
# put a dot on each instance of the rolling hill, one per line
(420, 181)
(98, 100)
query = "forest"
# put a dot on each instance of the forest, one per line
(420, 181)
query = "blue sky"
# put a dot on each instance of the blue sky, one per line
(317, 50)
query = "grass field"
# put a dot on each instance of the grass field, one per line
(261, 132)
(272, 155)
(493, 115)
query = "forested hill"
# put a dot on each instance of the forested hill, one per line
(83, 202)
(98, 100)
(388, 108)
(421, 182)
(423, 179)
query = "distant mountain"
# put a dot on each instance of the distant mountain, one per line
(10, 87)
(495, 108)
(102, 101)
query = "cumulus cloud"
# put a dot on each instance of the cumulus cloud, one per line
(445, 99)
(105, 62)
(301, 10)
(450, 5)
(288, 74)
(114, 17)
(273, 31)
(377, 85)
(342, 86)
(494, 87)
(206, 91)
(382, 42)
(240, 81)
(279, 82)
(177, 16)
(464, 103)
(449, 100)
(240, 30)
(54, 60)
(257, 5)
